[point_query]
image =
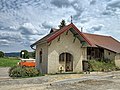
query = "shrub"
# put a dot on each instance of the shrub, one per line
(18, 71)
(1, 54)
(101, 66)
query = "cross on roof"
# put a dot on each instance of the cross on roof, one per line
(71, 19)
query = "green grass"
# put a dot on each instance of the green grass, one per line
(8, 62)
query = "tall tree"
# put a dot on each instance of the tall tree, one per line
(62, 24)
(24, 54)
(1, 54)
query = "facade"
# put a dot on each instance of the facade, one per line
(67, 48)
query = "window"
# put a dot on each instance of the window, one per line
(65, 57)
(41, 56)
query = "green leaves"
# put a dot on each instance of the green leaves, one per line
(62, 24)
(101, 66)
(24, 54)
(23, 72)
(1, 54)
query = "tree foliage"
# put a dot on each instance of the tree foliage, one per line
(62, 24)
(24, 54)
(33, 54)
(1, 54)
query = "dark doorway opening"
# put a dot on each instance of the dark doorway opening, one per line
(67, 58)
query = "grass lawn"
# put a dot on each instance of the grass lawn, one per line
(8, 62)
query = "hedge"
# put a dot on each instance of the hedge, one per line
(18, 71)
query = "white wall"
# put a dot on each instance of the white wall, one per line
(65, 45)
(44, 65)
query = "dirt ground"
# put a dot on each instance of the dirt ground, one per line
(93, 81)
(4, 73)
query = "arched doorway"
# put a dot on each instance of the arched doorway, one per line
(67, 59)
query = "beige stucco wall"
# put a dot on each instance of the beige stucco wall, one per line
(110, 56)
(65, 45)
(117, 60)
(42, 66)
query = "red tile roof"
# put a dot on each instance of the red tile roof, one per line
(107, 42)
(60, 31)
(52, 35)
(93, 40)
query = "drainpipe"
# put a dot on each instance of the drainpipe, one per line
(32, 47)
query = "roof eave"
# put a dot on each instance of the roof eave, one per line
(36, 43)
(68, 27)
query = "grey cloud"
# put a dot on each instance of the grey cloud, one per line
(6, 5)
(97, 28)
(4, 42)
(78, 8)
(114, 4)
(108, 12)
(46, 25)
(26, 31)
(60, 3)
(111, 8)
(11, 36)
(92, 2)
(26, 43)
(85, 20)
(3, 28)
(29, 38)
(76, 5)
(22, 35)
(29, 31)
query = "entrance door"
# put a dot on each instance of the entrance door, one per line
(67, 58)
(69, 62)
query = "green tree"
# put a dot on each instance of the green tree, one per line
(1, 54)
(62, 24)
(33, 54)
(24, 54)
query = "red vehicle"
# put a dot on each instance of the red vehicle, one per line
(27, 62)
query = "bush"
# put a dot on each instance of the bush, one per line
(18, 71)
(101, 66)
(1, 54)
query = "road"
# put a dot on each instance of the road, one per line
(93, 81)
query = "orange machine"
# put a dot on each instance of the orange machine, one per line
(27, 62)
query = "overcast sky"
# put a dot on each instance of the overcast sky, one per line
(22, 22)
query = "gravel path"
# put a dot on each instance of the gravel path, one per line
(4, 73)
(93, 81)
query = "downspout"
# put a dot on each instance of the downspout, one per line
(32, 47)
